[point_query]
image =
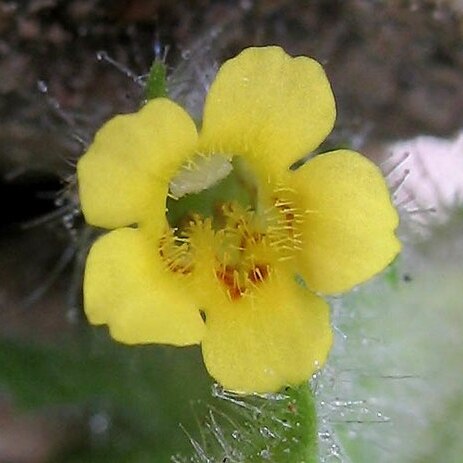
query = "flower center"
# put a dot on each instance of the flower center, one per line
(229, 224)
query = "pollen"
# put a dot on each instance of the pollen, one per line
(244, 240)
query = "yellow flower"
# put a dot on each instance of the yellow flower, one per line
(239, 275)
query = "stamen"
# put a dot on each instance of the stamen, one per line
(284, 189)
(244, 242)
(286, 258)
(177, 257)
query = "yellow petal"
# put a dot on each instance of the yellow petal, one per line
(279, 335)
(348, 231)
(123, 177)
(268, 106)
(127, 288)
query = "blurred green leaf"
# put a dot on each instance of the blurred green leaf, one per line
(156, 402)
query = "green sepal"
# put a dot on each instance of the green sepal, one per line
(156, 84)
